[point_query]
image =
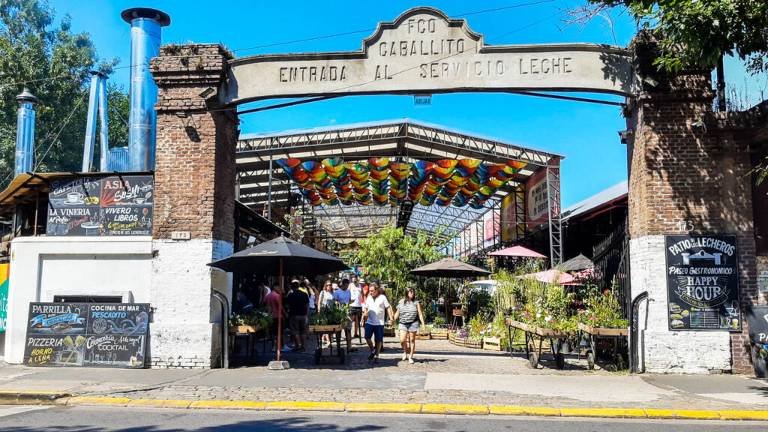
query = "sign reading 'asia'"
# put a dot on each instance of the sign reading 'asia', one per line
(114, 206)
(703, 282)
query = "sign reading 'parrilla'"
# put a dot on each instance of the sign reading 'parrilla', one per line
(702, 282)
(423, 51)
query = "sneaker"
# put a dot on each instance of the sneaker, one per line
(371, 356)
(410, 360)
(326, 344)
(405, 356)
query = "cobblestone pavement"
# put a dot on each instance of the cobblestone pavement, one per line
(443, 373)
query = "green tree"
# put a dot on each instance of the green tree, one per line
(54, 63)
(695, 33)
(389, 256)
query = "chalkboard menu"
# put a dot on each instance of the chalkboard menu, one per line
(757, 317)
(87, 334)
(703, 282)
(107, 206)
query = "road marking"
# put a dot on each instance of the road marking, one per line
(6, 411)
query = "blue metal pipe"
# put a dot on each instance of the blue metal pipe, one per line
(104, 122)
(90, 123)
(145, 44)
(25, 132)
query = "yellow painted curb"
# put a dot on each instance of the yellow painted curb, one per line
(542, 411)
(228, 404)
(454, 409)
(743, 415)
(98, 400)
(304, 406)
(697, 414)
(410, 408)
(603, 412)
(160, 403)
(510, 410)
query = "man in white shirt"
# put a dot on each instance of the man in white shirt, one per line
(356, 306)
(343, 297)
(376, 305)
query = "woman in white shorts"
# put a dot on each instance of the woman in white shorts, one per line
(410, 315)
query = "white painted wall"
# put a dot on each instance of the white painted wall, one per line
(42, 267)
(668, 351)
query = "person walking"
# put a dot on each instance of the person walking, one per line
(324, 300)
(356, 306)
(297, 303)
(273, 301)
(410, 315)
(343, 298)
(376, 305)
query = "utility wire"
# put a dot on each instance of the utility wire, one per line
(61, 129)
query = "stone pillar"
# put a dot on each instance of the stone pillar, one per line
(684, 179)
(195, 193)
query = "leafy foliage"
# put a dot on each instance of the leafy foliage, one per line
(330, 315)
(602, 310)
(261, 319)
(695, 33)
(54, 64)
(389, 256)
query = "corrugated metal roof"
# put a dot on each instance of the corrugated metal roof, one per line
(607, 195)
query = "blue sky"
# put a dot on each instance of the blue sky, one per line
(586, 134)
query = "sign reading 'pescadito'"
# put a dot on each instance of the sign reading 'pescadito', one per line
(425, 51)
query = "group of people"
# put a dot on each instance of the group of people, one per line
(369, 310)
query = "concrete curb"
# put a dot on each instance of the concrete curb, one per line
(419, 408)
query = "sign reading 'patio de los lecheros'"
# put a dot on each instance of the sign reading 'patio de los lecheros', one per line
(423, 51)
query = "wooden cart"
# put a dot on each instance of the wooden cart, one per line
(534, 342)
(331, 331)
(617, 335)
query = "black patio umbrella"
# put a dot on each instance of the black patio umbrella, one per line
(449, 268)
(281, 256)
(278, 257)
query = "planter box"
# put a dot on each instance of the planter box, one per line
(389, 331)
(243, 329)
(466, 343)
(492, 344)
(325, 328)
(420, 336)
(539, 331)
(439, 334)
(603, 331)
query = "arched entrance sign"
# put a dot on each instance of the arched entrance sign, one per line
(424, 51)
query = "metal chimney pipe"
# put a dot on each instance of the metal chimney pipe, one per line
(25, 132)
(90, 123)
(145, 44)
(104, 122)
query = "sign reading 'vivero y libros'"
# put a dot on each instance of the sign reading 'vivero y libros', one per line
(424, 51)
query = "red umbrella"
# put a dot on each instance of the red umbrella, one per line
(517, 251)
(550, 276)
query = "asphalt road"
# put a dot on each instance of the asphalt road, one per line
(88, 419)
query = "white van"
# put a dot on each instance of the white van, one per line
(487, 285)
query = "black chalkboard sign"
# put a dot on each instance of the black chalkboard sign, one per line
(88, 206)
(87, 334)
(703, 282)
(757, 317)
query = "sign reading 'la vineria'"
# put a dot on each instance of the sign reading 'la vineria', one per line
(702, 282)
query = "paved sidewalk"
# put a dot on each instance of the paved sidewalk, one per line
(443, 374)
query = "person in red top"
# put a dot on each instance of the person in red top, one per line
(272, 300)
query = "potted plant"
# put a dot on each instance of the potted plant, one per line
(251, 322)
(760, 360)
(329, 318)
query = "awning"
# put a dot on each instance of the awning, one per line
(517, 251)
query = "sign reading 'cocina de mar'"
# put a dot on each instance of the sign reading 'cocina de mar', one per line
(423, 51)
(702, 282)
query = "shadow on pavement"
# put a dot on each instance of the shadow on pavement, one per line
(297, 423)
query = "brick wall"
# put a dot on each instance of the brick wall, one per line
(685, 178)
(195, 191)
(195, 163)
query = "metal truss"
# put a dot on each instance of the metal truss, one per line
(262, 187)
(553, 213)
